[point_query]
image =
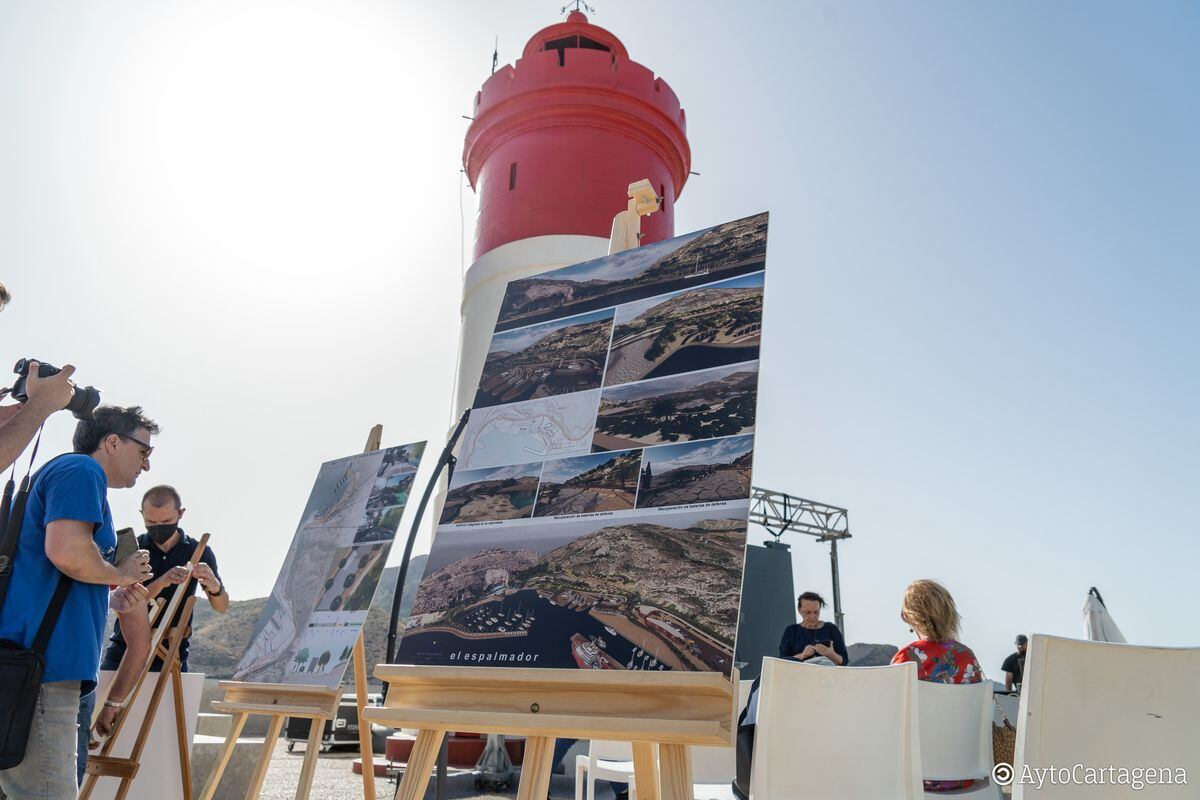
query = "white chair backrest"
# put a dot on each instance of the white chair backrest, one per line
(836, 733)
(956, 730)
(1102, 704)
(610, 751)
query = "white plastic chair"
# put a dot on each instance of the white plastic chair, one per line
(1102, 704)
(836, 733)
(605, 760)
(956, 736)
(714, 768)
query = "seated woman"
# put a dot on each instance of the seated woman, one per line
(929, 611)
(812, 640)
(809, 641)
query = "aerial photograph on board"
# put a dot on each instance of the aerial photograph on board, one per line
(602, 482)
(481, 495)
(653, 591)
(680, 408)
(706, 256)
(696, 472)
(558, 357)
(332, 568)
(352, 578)
(689, 330)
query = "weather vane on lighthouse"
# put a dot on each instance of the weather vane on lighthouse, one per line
(579, 5)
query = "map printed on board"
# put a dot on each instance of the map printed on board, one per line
(597, 516)
(313, 617)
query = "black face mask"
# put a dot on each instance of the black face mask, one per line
(159, 534)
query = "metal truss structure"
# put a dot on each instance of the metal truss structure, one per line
(781, 513)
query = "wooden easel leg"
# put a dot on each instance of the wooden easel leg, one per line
(364, 726)
(316, 731)
(235, 730)
(264, 757)
(181, 734)
(645, 770)
(123, 789)
(535, 768)
(675, 764)
(420, 761)
(89, 783)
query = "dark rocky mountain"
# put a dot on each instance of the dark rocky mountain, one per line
(870, 655)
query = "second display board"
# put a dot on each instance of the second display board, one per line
(597, 518)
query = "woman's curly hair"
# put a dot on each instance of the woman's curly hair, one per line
(930, 610)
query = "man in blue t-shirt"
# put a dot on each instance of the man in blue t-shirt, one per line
(68, 528)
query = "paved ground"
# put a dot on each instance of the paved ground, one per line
(334, 780)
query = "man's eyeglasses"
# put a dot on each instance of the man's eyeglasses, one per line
(146, 448)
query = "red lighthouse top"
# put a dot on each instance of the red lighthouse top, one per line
(558, 137)
(577, 24)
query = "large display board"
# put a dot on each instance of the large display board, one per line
(597, 518)
(312, 619)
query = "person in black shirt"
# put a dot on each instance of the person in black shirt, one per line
(170, 550)
(1014, 665)
(812, 639)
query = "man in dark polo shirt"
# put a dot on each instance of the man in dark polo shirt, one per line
(170, 550)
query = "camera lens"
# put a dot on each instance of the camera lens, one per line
(84, 401)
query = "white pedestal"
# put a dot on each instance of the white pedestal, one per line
(158, 776)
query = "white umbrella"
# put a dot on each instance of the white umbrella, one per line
(1098, 625)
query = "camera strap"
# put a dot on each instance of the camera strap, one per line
(50, 618)
(12, 516)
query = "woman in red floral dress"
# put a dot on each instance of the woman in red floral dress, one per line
(929, 611)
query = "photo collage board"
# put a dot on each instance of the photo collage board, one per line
(596, 518)
(312, 619)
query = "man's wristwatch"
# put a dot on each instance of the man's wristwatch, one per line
(217, 593)
(113, 704)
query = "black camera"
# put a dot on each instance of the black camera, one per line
(83, 401)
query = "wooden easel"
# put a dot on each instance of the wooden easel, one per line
(282, 700)
(164, 646)
(656, 711)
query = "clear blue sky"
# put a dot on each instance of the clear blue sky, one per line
(981, 328)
